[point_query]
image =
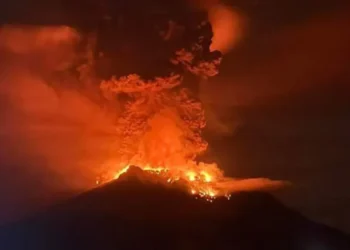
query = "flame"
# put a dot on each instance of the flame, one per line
(120, 172)
(198, 181)
(191, 176)
(207, 177)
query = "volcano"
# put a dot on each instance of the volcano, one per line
(135, 212)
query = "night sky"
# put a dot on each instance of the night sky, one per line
(287, 87)
(280, 107)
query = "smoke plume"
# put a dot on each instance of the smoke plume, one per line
(56, 137)
(228, 27)
(291, 60)
(228, 24)
(53, 139)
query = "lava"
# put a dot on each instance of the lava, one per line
(197, 183)
(199, 179)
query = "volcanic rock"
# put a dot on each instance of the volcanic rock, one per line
(134, 214)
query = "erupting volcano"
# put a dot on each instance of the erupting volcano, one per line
(140, 68)
(160, 132)
(161, 121)
(138, 71)
(105, 102)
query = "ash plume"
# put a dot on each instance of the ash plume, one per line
(314, 53)
(66, 125)
(228, 24)
(52, 138)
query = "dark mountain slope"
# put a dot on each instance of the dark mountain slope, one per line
(133, 214)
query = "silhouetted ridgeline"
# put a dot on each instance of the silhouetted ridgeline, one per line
(130, 214)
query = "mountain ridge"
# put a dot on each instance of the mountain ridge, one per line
(134, 213)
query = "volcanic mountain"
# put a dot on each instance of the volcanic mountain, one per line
(136, 213)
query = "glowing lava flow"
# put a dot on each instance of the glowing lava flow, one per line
(198, 183)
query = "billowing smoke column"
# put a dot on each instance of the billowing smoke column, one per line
(127, 98)
(159, 130)
(161, 120)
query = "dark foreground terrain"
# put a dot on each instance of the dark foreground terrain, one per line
(132, 214)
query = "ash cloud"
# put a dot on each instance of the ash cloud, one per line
(229, 25)
(270, 66)
(47, 133)
(54, 138)
(300, 57)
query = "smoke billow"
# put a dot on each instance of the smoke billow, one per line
(228, 27)
(53, 138)
(228, 24)
(56, 137)
(299, 57)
